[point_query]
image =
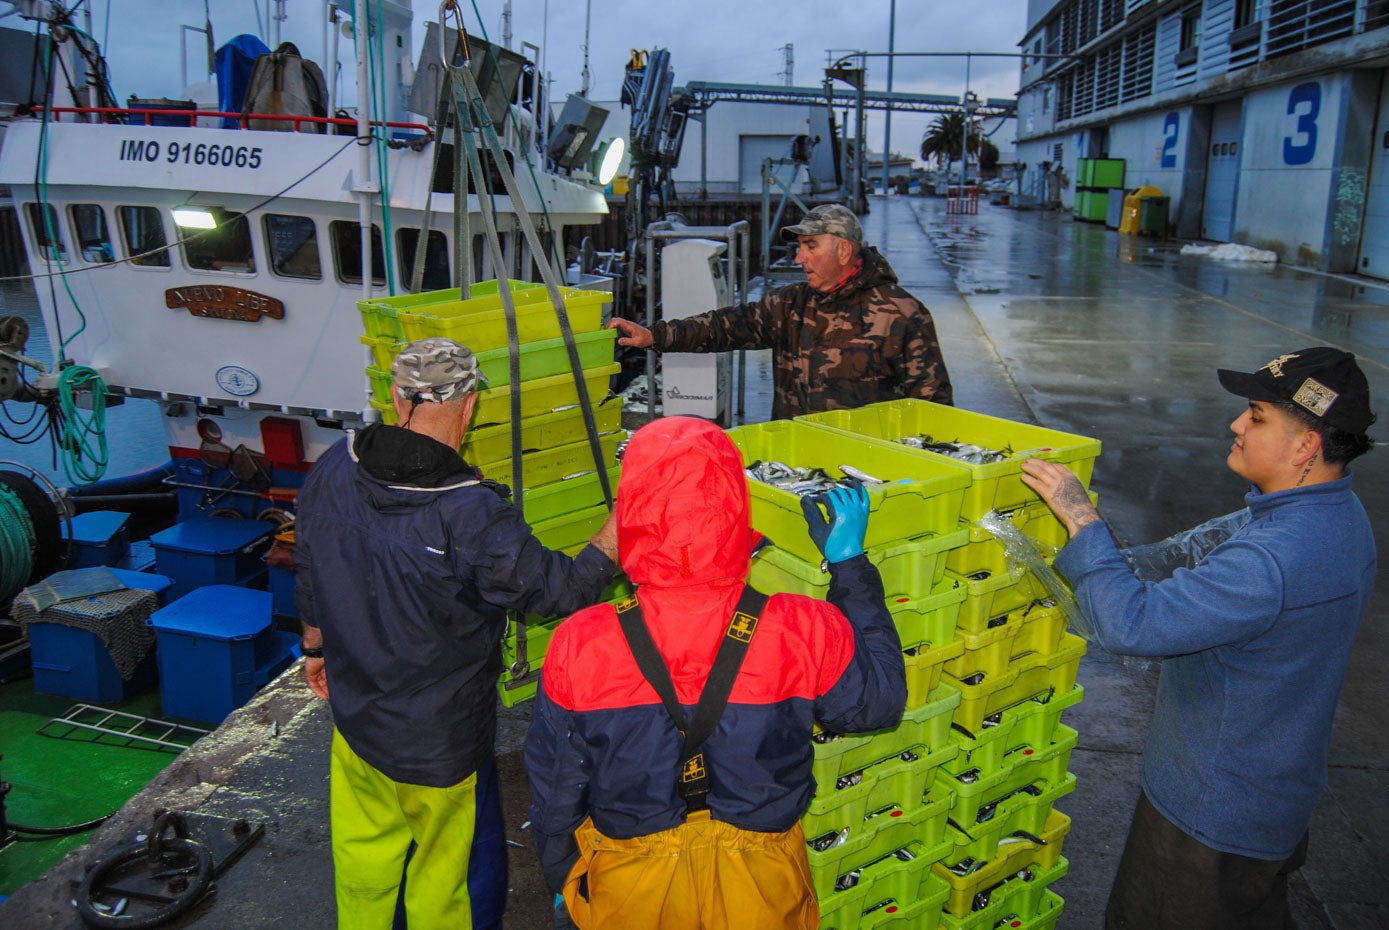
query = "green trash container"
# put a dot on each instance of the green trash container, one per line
(1152, 216)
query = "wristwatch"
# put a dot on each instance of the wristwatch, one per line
(311, 652)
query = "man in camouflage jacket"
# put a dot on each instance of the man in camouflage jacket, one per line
(847, 337)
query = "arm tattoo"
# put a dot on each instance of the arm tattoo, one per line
(1075, 503)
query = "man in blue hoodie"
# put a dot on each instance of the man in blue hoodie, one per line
(408, 561)
(1256, 637)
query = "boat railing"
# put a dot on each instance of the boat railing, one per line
(147, 116)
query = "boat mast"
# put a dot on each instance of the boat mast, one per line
(364, 187)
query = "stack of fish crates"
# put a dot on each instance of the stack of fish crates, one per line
(876, 823)
(948, 819)
(562, 495)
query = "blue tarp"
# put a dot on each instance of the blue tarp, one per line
(234, 63)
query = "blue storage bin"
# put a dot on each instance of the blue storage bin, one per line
(216, 648)
(76, 664)
(99, 537)
(211, 551)
(145, 581)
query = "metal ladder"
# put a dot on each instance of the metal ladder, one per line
(147, 730)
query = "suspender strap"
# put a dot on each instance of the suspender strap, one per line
(733, 648)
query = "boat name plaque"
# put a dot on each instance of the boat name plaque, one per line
(224, 303)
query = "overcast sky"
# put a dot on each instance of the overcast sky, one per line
(711, 40)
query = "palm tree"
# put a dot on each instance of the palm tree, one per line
(942, 139)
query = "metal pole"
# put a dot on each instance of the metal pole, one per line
(364, 187)
(860, 150)
(887, 113)
(964, 134)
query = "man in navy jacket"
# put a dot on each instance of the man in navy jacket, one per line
(407, 563)
(1256, 638)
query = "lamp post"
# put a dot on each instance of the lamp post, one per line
(887, 114)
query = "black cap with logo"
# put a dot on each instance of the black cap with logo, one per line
(1325, 382)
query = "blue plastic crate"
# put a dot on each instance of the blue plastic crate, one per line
(216, 649)
(99, 537)
(145, 581)
(76, 664)
(211, 551)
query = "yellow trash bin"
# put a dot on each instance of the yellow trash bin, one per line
(1128, 223)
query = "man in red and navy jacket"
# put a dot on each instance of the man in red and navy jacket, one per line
(604, 755)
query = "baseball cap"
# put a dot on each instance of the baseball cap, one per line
(1325, 382)
(436, 369)
(833, 218)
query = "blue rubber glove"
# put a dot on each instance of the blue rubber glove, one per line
(841, 536)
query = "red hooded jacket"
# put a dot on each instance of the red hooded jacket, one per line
(601, 743)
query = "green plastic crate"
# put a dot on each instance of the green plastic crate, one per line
(541, 359)
(548, 357)
(976, 794)
(1018, 903)
(1017, 813)
(862, 907)
(984, 553)
(541, 395)
(568, 494)
(895, 788)
(828, 867)
(1031, 723)
(924, 667)
(993, 596)
(493, 286)
(555, 464)
(540, 432)
(1018, 856)
(930, 620)
(1024, 680)
(1033, 629)
(922, 496)
(571, 532)
(480, 322)
(926, 726)
(908, 567)
(996, 486)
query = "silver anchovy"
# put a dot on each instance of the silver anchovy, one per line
(966, 452)
(852, 472)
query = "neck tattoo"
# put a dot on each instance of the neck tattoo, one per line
(1306, 471)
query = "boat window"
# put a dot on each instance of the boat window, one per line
(224, 247)
(436, 259)
(43, 222)
(143, 231)
(293, 245)
(347, 253)
(93, 237)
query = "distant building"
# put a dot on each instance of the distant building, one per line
(1265, 121)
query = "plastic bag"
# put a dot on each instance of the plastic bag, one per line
(1157, 561)
(1023, 550)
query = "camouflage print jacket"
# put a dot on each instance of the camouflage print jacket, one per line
(866, 342)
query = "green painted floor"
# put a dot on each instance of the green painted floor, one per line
(55, 781)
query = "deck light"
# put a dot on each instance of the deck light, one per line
(194, 219)
(609, 160)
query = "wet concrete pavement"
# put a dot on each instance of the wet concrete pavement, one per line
(1043, 319)
(1118, 338)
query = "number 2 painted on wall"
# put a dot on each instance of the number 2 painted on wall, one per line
(1304, 102)
(1171, 127)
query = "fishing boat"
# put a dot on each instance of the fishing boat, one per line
(229, 262)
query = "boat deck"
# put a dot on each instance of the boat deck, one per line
(1040, 318)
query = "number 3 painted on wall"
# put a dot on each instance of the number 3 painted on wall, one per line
(1304, 102)
(1171, 127)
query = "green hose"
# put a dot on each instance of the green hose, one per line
(83, 438)
(16, 544)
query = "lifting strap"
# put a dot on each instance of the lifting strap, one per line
(733, 648)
